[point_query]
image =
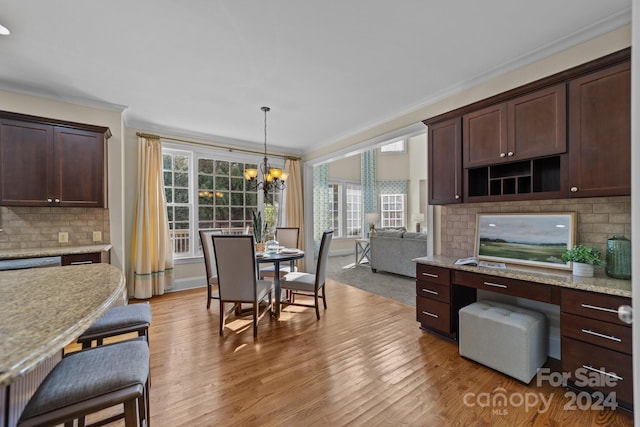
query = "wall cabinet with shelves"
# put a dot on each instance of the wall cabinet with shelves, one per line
(514, 145)
(44, 162)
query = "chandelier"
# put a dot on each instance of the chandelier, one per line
(271, 179)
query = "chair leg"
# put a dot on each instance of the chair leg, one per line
(208, 296)
(324, 298)
(130, 415)
(256, 308)
(315, 297)
(221, 317)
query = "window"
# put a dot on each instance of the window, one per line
(206, 189)
(176, 168)
(393, 147)
(345, 209)
(392, 211)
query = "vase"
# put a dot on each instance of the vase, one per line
(260, 247)
(582, 269)
(618, 258)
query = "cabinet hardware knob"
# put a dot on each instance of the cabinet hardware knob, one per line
(574, 189)
(457, 196)
(57, 200)
(81, 262)
(510, 153)
(430, 314)
(50, 200)
(430, 275)
(625, 314)
(429, 291)
(502, 155)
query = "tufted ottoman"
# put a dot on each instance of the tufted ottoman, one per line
(507, 338)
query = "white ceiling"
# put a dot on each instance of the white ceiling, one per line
(327, 68)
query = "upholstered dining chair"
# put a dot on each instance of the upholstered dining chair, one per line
(210, 261)
(298, 283)
(287, 237)
(237, 278)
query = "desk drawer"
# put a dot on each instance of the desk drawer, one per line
(432, 274)
(593, 305)
(434, 291)
(503, 285)
(433, 314)
(587, 357)
(604, 334)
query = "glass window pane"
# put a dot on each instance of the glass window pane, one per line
(205, 166)
(181, 179)
(222, 168)
(222, 183)
(237, 184)
(181, 195)
(237, 169)
(181, 163)
(205, 182)
(222, 213)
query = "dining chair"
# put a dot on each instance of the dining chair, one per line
(287, 237)
(298, 283)
(210, 261)
(237, 278)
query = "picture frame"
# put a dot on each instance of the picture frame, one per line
(535, 239)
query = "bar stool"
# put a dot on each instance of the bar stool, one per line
(91, 380)
(118, 320)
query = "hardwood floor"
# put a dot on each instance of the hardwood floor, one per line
(365, 362)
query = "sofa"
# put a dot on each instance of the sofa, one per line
(392, 250)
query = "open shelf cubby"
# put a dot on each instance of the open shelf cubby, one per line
(530, 176)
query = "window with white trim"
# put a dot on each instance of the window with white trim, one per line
(392, 210)
(393, 147)
(345, 209)
(206, 189)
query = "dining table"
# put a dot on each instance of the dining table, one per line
(276, 257)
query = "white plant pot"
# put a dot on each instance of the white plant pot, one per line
(583, 270)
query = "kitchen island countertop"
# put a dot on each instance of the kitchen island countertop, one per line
(43, 309)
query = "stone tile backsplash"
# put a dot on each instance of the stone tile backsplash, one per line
(598, 219)
(31, 227)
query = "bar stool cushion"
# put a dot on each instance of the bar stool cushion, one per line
(90, 374)
(119, 320)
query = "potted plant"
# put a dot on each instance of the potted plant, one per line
(584, 258)
(259, 230)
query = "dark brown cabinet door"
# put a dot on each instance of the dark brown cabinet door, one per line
(600, 133)
(45, 162)
(79, 167)
(485, 136)
(537, 124)
(25, 163)
(445, 170)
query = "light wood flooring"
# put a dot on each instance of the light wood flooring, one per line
(365, 363)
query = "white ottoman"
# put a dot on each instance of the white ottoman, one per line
(507, 338)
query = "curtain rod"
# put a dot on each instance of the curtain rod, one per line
(224, 147)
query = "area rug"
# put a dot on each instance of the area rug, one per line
(396, 287)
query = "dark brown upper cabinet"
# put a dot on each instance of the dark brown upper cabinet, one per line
(566, 135)
(529, 126)
(600, 133)
(44, 162)
(445, 162)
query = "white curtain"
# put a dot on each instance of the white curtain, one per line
(151, 252)
(295, 203)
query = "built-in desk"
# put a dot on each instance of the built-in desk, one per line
(593, 339)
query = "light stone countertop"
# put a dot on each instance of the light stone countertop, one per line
(55, 251)
(44, 309)
(599, 283)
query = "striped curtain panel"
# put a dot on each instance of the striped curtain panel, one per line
(151, 252)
